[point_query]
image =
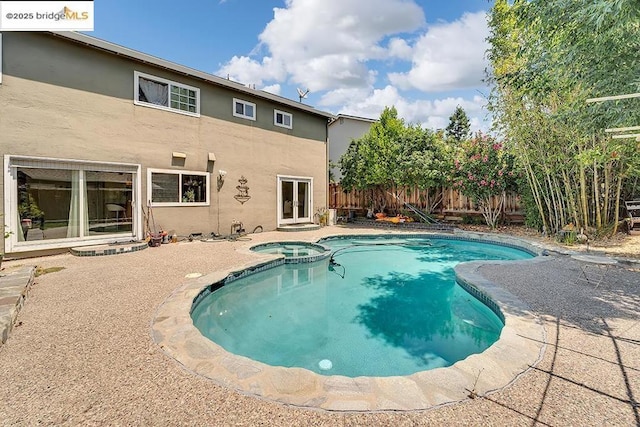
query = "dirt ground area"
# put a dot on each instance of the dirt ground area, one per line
(619, 245)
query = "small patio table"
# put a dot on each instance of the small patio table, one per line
(594, 268)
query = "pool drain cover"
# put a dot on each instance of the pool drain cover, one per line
(325, 364)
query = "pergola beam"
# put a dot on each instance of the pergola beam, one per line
(627, 129)
(615, 97)
(628, 135)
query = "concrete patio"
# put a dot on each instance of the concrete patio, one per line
(84, 353)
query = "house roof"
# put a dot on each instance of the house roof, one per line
(346, 116)
(181, 69)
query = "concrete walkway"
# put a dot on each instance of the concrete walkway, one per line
(84, 352)
(14, 287)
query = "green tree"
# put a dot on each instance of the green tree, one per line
(426, 162)
(484, 172)
(459, 128)
(393, 156)
(548, 57)
(370, 162)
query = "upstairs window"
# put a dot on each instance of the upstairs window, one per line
(244, 109)
(282, 119)
(164, 94)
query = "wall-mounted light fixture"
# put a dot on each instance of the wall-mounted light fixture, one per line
(221, 175)
(179, 155)
(211, 161)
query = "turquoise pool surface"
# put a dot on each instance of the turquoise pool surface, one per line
(377, 307)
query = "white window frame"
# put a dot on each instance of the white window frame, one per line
(244, 116)
(179, 203)
(308, 180)
(136, 93)
(284, 114)
(0, 58)
(12, 162)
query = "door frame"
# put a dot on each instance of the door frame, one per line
(279, 211)
(12, 220)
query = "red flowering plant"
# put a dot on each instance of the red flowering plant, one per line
(484, 172)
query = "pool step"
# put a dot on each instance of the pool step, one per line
(115, 249)
(299, 227)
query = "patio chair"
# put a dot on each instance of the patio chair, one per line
(118, 210)
(633, 214)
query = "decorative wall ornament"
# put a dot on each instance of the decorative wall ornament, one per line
(243, 190)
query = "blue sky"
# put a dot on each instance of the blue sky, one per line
(355, 56)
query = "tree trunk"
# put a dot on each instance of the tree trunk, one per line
(490, 214)
(616, 213)
(596, 195)
(572, 202)
(607, 185)
(535, 187)
(583, 197)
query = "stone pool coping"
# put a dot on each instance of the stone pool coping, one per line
(519, 348)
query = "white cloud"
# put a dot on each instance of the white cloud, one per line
(448, 56)
(325, 44)
(399, 48)
(372, 105)
(343, 96)
(337, 49)
(274, 89)
(330, 71)
(432, 114)
(249, 71)
(435, 114)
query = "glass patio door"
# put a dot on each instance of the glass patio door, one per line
(294, 200)
(56, 203)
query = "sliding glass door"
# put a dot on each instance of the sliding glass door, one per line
(58, 204)
(58, 201)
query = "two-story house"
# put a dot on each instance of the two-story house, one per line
(103, 143)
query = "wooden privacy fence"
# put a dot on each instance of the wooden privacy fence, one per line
(452, 204)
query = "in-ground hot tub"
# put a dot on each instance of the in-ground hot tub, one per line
(294, 252)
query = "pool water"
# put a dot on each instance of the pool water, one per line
(377, 307)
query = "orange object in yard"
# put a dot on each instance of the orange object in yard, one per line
(395, 219)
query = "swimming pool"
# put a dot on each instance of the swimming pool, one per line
(382, 306)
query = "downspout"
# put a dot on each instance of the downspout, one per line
(326, 162)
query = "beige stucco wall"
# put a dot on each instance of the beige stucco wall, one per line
(49, 120)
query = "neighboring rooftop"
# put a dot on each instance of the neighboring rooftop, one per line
(346, 116)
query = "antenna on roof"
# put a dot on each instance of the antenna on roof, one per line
(302, 94)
